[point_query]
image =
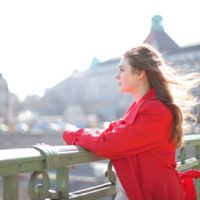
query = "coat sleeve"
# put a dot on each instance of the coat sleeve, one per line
(151, 126)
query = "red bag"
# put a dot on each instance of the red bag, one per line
(188, 183)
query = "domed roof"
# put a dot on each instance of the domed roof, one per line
(158, 38)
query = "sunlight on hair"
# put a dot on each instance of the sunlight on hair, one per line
(181, 87)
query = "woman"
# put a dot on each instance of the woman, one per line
(142, 144)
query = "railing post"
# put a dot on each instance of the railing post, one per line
(11, 187)
(62, 182)
(197, 182)
(182, 155)
(111, 176)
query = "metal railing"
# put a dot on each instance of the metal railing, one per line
(41, 158)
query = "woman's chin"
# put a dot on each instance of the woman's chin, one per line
(121, 90)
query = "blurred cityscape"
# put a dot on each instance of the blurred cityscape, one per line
(89, 98)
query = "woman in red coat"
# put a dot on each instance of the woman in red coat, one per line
(142, 144)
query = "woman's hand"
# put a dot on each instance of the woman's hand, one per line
(71, 136)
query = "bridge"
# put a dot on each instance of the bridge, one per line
(39, 160)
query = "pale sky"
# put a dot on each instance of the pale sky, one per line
(43, 41)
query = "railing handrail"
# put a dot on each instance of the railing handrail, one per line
(49, 157)
(41, 152)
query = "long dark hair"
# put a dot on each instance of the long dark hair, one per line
(145, 57)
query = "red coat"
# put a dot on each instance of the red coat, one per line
(140, 149)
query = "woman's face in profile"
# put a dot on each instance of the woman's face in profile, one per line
(127, 77)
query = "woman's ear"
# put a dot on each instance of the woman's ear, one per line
(141, 74)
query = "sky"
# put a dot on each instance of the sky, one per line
(43, 41)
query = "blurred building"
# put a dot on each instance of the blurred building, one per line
(95, 91)
(4, 95)
(187, 59)
(9, 106)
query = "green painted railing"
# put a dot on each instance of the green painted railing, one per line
(39, 159)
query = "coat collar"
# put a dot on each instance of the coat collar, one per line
(151, 93)
(131, 113)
